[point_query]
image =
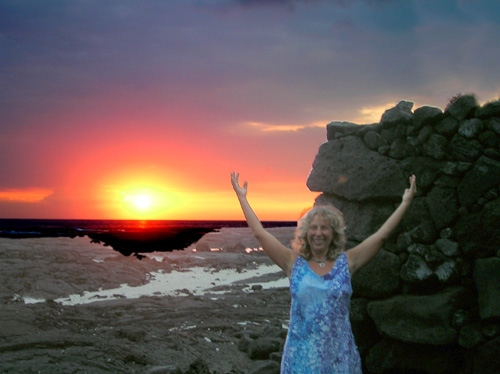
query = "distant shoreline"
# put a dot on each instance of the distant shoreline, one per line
(129, 237)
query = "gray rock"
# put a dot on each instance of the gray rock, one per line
(470, 336)
(470, 128)
(460, 318)
(463, 107)
(447, 127)
(493, 124)
(427, 116)
(490, 217)
(486, 358)
(266, 367)
(426, 169)
(418, 319)
(389, 356)
(387, 136)
(338, 129)
(398, 148)
(404, 241)
(489, 139)
(413, 147)
(450, 168)
(491, 109)
(447, 247)
(198, 366)
(492, 153)
(276, 356)
(384, 149)
(484, 175)
(428, 252)
(425, 133)
(477, 238)
(443, 206)
(448, 271)
(464, 166)
(167, 369)
(462, 149)
(416, 270)
(244, 343)
(261, 348)
(372, 140)
(401, 113)
(487, 279)
(379, 278)
(446, 233)
(347, 168)
(447, 182)
(490, 330)
(425, 232)
(436, 146)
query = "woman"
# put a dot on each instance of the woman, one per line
(320, 338)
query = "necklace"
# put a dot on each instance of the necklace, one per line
(320, 262)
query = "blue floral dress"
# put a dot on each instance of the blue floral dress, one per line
(320, 339)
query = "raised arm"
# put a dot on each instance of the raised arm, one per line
(360, 255)
(283, 257)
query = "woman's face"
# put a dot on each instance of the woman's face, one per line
(319, 235)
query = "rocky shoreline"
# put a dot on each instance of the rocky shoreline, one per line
(177, 333)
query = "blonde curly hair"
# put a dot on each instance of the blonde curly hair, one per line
(336, 220)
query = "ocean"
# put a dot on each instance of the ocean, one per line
(125, 236)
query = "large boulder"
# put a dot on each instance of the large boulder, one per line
(443, 206)
(478, 232)
(484, 175)
(379, 278)
(470, 128)
(491, 109)
(419, 319)
(396, 357)
(462, 149)
(401, 113)
(338, 129)
(427, 116)
(462, 107)
(361, 220)
(447, 127)
(486, 358)
(347, 168)
(487, 279)
(262, 347)
(436, 146)
(493, 124)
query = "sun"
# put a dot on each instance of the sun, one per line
(142, 201)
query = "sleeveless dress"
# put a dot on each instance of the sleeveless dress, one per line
(320, 339)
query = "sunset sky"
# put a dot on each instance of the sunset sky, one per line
(141, 109)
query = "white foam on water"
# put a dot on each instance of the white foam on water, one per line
(32, 300)
(195, 281)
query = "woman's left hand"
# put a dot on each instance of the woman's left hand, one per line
(410, 192)
(240, 191)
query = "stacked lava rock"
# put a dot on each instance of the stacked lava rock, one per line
(430, 300)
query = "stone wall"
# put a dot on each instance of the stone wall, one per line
(429, 302)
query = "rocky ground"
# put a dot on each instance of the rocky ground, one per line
(180, 332)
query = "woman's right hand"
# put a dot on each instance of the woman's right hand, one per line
(240, 191)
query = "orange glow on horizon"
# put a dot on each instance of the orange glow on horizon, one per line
(134, 193)
(26, 195)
